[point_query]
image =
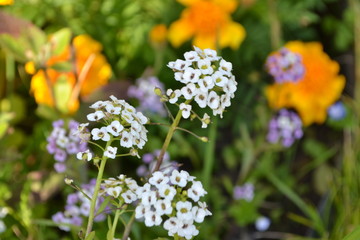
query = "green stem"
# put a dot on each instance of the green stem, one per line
(168, 139)
(115, 222)
(355, 5)
(96, 192)
(128, 227)
(275, 26)
(209, 154)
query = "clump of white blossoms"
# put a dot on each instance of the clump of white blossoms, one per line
(174, 201)
(208, 80)
(121, 122)
(122, 188)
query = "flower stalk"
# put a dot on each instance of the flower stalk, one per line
(96, 192)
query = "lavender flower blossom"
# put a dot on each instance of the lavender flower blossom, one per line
(143, 90)
(77, 207)
(62, 143)
(285, 66)
(337, 111)
(285, 127)
(149, 163)
(245, 192)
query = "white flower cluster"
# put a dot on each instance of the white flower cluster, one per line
(122, 122)
(175, 197)
(3, 213)
(121, 187)
(208, 80)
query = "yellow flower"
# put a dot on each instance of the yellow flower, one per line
(319, 88)
(6, 2)
(92, 72)
(209, 23)
(158, 34)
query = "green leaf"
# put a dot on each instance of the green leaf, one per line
(13, 46)
(62, 66)
(36, 39)
(91, 236)
(354, 235)
(60, 40)
(62, 92)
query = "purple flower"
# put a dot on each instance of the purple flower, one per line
(337, 111)
(77, 207)
(60, 167)
(62, 142)
(285, 66)
(143, 90)
(286, 127)
(245, 192)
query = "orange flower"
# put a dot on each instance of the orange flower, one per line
(158, 34)
(319, 88)
(92, 72)
(209, 23)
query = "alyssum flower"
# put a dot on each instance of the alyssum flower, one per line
(174, 201)
(208, 81)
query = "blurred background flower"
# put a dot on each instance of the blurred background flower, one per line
(78, 71)
(209, 24)
(6, 2)
(320, 87)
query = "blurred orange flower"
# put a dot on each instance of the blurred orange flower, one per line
(319, 88)
(158, 34)
(90, 71)
(209, 23)
(6, 2)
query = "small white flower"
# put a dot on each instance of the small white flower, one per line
(225, 101)
(141, 117)
(184, 211)
(110, 152)
(186, 110)
(188, 230)
(127, 116)
(225, 67)
(173, 95)
(98, 104)
(179, 65)
(211, 54)
(191, 75)
(2, 226)
(152, 219)
(129, 196)
(115, 128)
(87, 155)
(163, 207)
(213, 100)
(191, 56)
(179, 76)
(158, 179)
(131, 184)
(167, 192)
(140, 211)
(205, 120)
(206, 83)
(148, 198)
(114, 191)
(172, 225)
(205, 66)
(110, 108)
(201, 99)
(179, 178)
(126, 140)
(219, 79)
(96, 116)
(141, 190)
(189, 91)
(196, 191)
(100, 134)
